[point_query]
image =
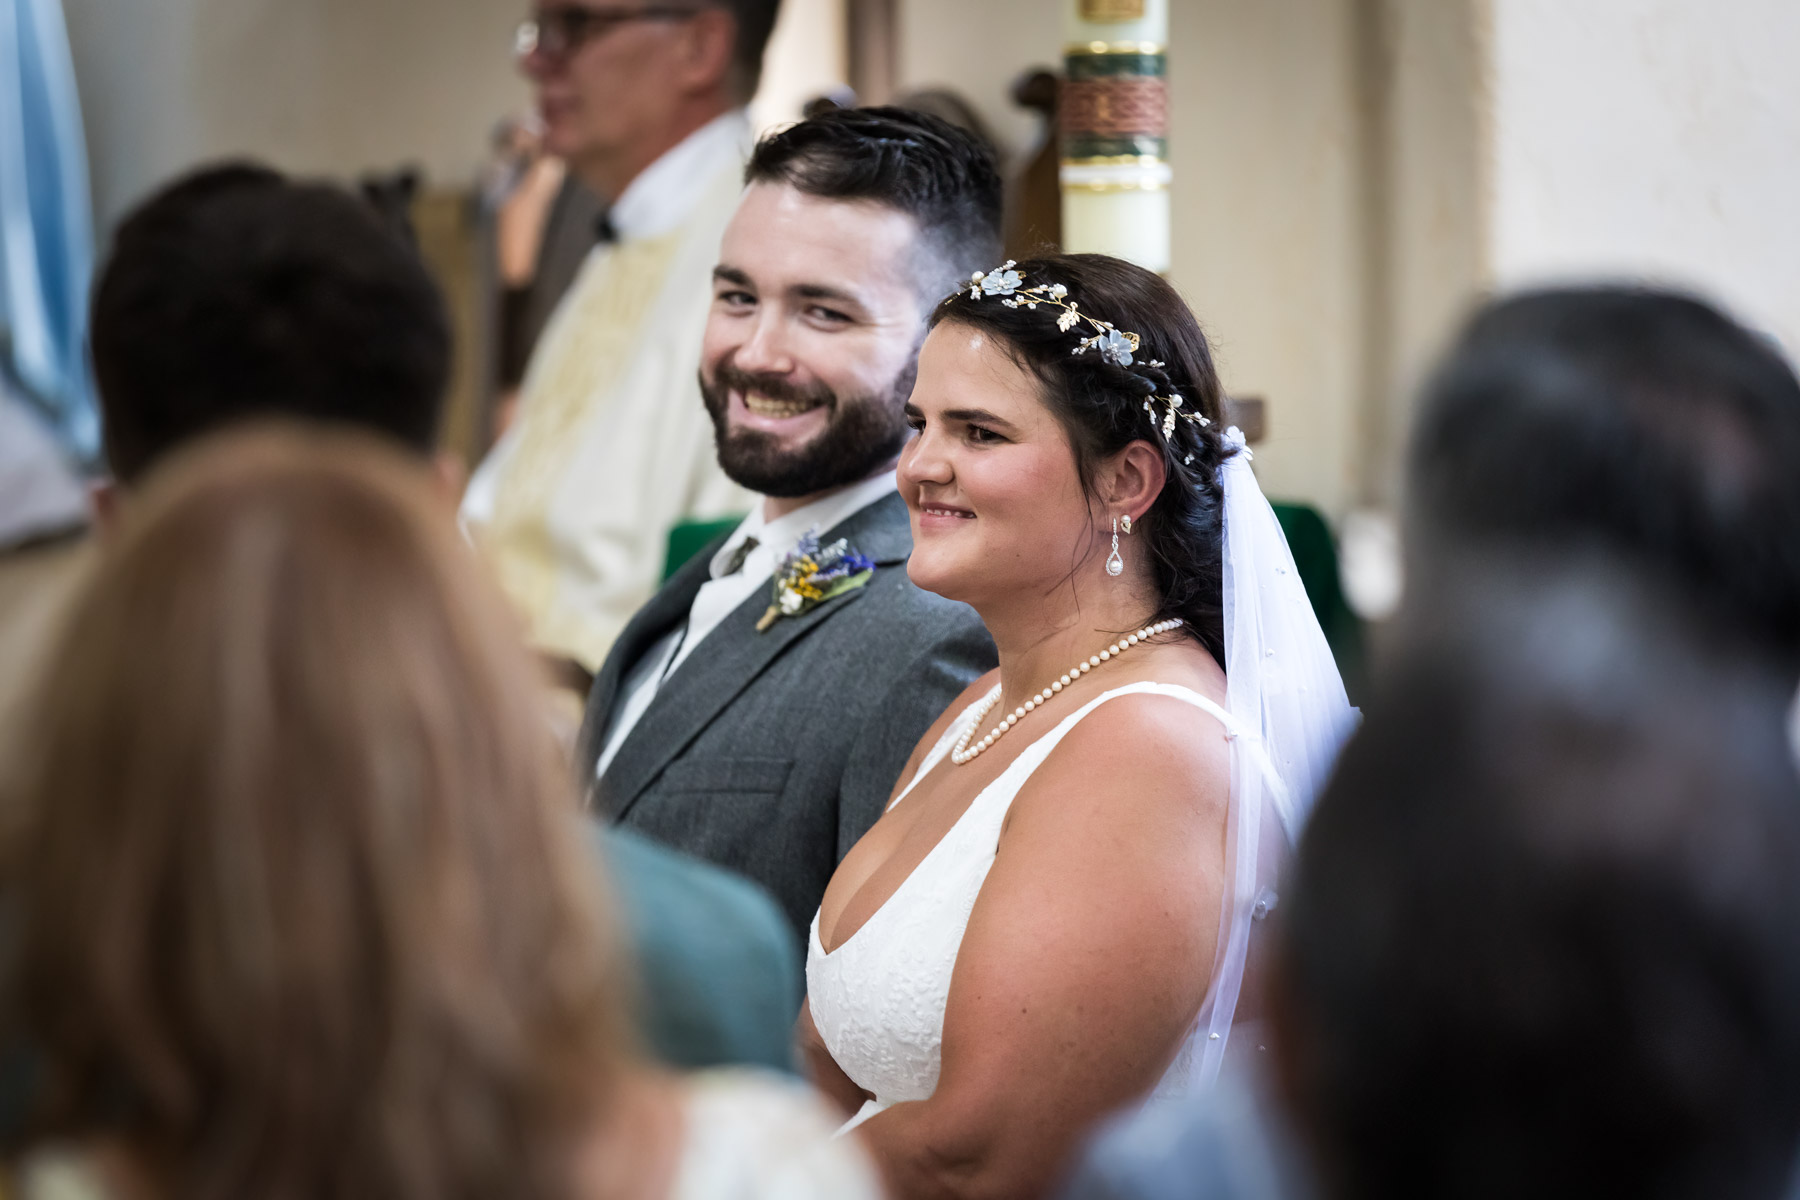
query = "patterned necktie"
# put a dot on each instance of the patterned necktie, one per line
(735, 563)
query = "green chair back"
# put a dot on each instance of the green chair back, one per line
(1315, 555)
(690, 537)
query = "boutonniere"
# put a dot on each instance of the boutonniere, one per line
(812, 574)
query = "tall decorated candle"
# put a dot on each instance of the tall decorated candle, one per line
(1115, 130)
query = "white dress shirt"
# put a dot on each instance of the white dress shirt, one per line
(662, 195)
(722, 594)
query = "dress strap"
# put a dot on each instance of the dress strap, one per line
(1021, 768)
(1040, 749)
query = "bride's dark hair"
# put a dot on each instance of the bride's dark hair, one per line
(1100, 405)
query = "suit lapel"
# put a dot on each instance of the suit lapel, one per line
(734, 654)
(666, 609)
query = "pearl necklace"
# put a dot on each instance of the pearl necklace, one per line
(962, 752)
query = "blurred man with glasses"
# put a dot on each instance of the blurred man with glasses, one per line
(644, 100)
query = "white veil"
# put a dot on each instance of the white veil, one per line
(1285, 700)
(1291, 715)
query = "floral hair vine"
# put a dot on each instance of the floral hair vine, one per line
(1114, 345)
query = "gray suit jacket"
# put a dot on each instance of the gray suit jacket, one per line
(771, 753)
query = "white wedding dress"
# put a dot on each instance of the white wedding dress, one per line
(878, 1000)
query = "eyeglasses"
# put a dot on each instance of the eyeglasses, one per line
(559, 32)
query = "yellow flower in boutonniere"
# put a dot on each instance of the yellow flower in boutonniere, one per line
(810, 575)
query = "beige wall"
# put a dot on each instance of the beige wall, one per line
(336, 87)
(1323, 225)
(327, 86)
(1651, 138)
(1428, 72)
(807, 57)
(977, 48)
(1267, 218)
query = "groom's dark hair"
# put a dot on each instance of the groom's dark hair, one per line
(1543, 935)
(941, 176)
(1641, 422)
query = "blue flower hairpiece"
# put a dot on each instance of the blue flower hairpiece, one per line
(1116, 346)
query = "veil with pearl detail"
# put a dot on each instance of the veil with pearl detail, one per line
(1287, 700)
(1289, 713)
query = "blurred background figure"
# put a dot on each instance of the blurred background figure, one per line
(544, 220)
(362, 951)
(1544, 934)
(46, 230)
(611, 449)
(49, 431)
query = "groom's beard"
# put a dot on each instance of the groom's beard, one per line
(863, 433)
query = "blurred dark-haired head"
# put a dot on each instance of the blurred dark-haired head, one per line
(236, 293)
(1543, 937)
(1643, 423)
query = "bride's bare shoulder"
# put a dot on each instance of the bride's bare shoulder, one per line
(1142, 752)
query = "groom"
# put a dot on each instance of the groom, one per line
(758, 725)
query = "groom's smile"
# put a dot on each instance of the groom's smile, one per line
(795, 416)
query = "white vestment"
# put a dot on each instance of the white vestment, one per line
(612, 446)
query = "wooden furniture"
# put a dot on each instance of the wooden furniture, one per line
(1033, 223)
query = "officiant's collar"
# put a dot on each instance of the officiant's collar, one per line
(775, 538)
(664, 193)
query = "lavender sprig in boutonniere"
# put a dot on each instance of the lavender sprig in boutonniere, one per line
(812, 574)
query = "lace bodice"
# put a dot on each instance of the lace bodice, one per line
(878, 999)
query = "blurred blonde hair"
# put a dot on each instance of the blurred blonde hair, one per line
(305, 909)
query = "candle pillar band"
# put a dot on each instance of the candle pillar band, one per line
(1114, 114)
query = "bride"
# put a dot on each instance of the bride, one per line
(1055, 914)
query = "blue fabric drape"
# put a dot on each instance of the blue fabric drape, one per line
(46, 224)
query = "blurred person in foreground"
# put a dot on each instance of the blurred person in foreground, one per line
(304, 903)
(235, 293)
(750, 715)
(1638, 423)
(610, 449)
(1543, 934)
(1641, 426)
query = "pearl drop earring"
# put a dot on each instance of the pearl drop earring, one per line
(1115, 564)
